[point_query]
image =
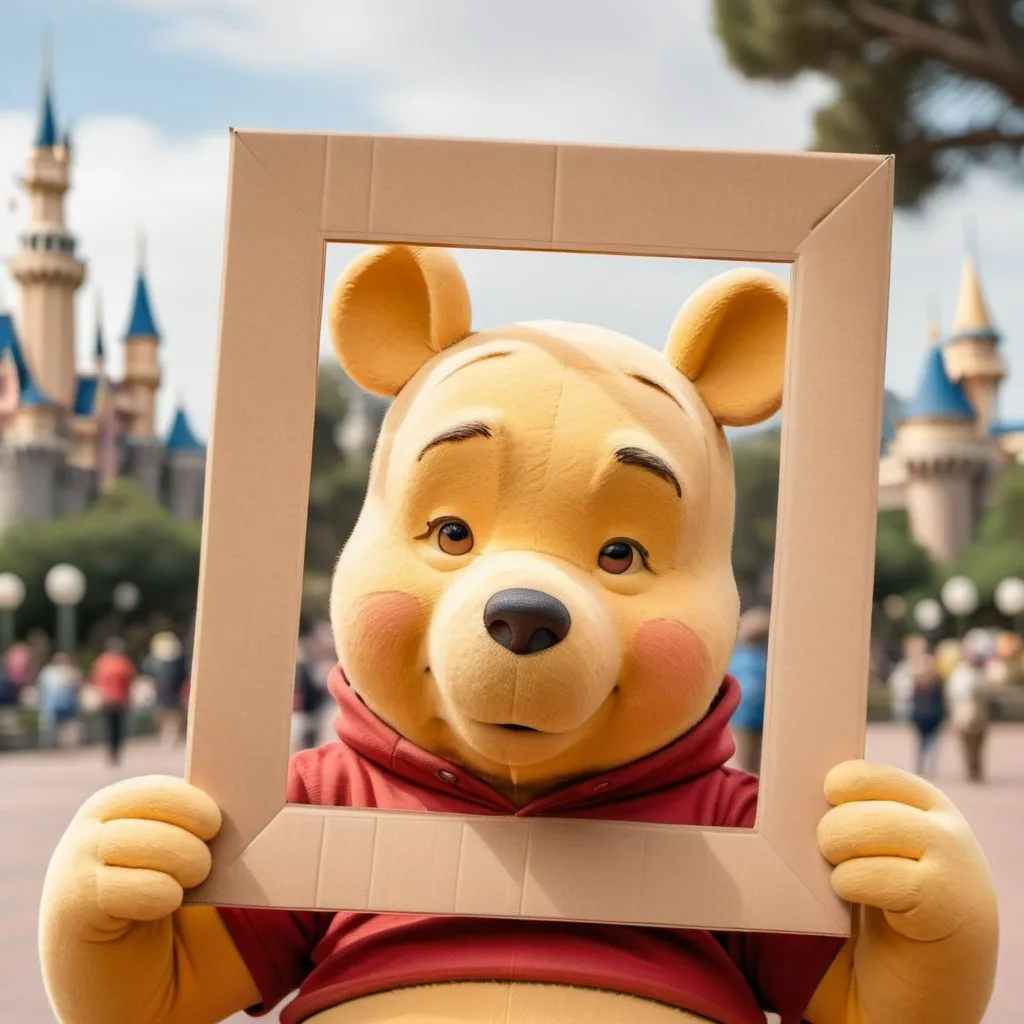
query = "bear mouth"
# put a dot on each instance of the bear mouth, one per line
(515, 727)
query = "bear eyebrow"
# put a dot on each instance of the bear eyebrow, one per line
(463, 432)
(649, 461)
(657, 387)
(470, 362)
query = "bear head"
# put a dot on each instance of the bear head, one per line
(539, 585)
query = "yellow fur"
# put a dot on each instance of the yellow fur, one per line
(528, 437)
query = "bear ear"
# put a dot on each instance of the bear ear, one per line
(394, 308)
(729, 340)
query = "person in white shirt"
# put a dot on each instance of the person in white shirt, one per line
(968, 695)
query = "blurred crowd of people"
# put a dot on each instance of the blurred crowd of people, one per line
(955, 685)
(61, 694)
(314, 659)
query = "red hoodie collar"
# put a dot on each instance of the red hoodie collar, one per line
(707, 746)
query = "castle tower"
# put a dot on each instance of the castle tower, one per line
(45, 266)
(30, 452)
(141, 350)
(185, 471)
(949, 465)
(972, 353)
(140, 384)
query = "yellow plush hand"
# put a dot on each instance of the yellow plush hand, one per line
(899, 845)
(925, 935)
(130, 852)
(114, 945)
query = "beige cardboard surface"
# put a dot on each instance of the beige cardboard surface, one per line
(290, 194)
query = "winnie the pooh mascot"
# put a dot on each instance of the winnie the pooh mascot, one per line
(533, 616)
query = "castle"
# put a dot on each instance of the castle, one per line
(66, 435)
(945, 451)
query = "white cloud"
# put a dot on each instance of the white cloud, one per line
(575, 70)
(607, 70)
(127, 176)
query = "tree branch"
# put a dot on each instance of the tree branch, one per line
(999, 28)
(998, 66)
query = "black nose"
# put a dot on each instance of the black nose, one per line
(526, 621)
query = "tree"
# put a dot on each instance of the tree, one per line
(938, 83)
(336, 491)
(124, 536)
(998, 548)
(756, 468)
(902, 566)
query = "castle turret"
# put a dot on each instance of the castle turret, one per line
(972, 353)
(949, 465)
(141, 351)
(45, 266)
(139, 387)
(30, 452)
(185, 468)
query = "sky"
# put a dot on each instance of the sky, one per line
(151, 88)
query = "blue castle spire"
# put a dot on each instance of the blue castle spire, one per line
(46, 131)
(141, 323)
(99, 350)
(937, 397)
(31, 392)
(181, 437)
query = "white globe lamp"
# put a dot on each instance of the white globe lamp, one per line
(1009, 599)
(12, 596)
(65, 587)
(126, 597)
(960, 596)
(928, 614)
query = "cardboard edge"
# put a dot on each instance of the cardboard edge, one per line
(779, 834)
(314, 218)
(202, 760)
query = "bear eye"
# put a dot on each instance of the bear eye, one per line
(454, 537)
(620, 557)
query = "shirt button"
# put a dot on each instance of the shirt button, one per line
(601, 787)
(446, 776)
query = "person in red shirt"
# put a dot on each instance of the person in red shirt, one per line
(112, 674)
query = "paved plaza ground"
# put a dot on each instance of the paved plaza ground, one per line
(40, 792)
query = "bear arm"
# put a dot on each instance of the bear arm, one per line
(182, 969)
(883, 977)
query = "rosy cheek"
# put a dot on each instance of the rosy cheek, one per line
(385, 628)
(671, 656)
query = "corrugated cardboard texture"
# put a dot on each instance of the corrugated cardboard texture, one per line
(290, 194)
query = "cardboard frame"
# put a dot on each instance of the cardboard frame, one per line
(290, 195)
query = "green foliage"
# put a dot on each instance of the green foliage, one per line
(336, 491)
(938, 84)
(124, 536)
(901, 564)
(756, 463)
(998, 549)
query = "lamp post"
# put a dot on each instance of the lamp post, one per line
(65, 587)
(960, 596)
(126, 597)
(928, 614)
(1009, 598)
(12, 594)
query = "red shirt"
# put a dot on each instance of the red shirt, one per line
(331, 958)
(113, 675)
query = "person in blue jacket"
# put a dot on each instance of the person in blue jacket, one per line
(749, 667)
